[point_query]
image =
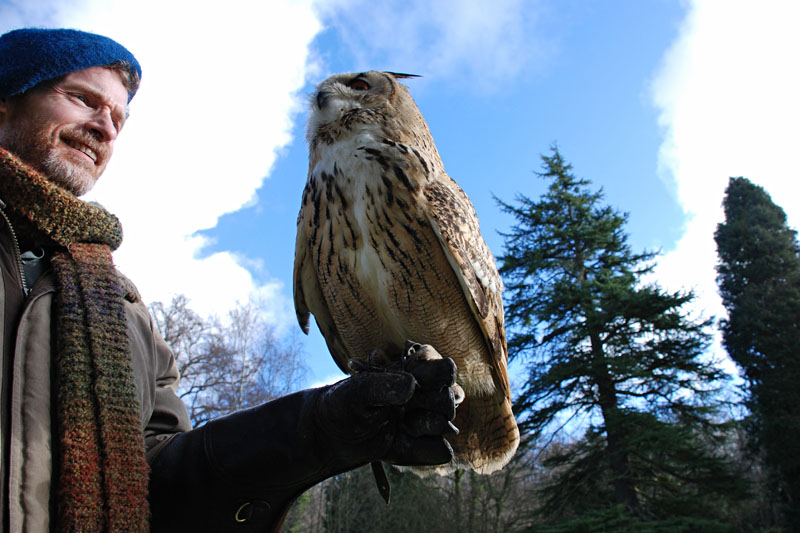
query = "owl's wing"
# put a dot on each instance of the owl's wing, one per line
(308, 297)
(455, 222)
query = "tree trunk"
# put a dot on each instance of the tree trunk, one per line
(619, 460)
(457, 476)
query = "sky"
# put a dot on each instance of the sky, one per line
(658, 102)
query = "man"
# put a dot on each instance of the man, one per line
(94, 437)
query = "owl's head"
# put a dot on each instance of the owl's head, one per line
(346, 100)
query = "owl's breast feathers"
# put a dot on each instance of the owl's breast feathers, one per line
(392, 238)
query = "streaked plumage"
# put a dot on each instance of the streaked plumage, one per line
(389, 249)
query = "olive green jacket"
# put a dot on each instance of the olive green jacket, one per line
(25, 385)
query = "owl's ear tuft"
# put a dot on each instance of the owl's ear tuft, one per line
(400, 75)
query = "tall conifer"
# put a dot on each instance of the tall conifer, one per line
(603, 346)
(759, 281)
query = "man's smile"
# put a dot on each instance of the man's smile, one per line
(86, 150)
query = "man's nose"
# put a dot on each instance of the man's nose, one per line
(102, 125)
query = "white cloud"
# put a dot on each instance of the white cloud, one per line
(474, 42)
(217, 100)
(327, 380)
(728, 93)
(19, 13)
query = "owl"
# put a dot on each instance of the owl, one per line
(389, 249)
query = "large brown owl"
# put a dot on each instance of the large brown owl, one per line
(389, 249)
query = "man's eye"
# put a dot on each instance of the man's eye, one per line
(81, 98)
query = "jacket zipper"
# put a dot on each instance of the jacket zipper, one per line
(17, 252)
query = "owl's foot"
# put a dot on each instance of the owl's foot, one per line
(415, 352)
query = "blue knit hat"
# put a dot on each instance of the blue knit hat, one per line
(30, 56)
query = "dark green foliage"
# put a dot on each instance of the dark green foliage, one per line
(679, 473)
(604, 347)
(354, 505)
(759, 280)
(615, 519)
(461, 501)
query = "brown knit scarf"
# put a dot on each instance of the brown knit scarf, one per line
(100, 472)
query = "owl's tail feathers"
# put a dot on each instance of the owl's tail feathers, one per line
(488, 434)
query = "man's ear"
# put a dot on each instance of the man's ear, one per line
(3, 109)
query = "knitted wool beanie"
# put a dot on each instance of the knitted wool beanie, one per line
(30, 56)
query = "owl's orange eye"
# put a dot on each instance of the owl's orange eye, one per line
(359, 85)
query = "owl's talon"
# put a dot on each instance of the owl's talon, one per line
(458, 394)
(410, 348)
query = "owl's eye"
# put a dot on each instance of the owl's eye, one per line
(358, 85)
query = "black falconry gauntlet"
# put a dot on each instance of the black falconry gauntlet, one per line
(243, 471)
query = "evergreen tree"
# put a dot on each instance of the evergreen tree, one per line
(759, 280)
(602, 346)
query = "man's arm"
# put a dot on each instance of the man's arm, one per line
(242, 472)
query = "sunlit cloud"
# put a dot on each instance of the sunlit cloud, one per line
(327, 380)
(476, 43)
(729, 105)
(19, 13)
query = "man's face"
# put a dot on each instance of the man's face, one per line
(66, 128)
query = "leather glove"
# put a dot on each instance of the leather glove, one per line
(397, 413)
(242, 472)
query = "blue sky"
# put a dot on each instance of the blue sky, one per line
(656, 101)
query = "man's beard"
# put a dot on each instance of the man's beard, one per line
(38, 150)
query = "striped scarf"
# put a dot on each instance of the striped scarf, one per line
(100, 472)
